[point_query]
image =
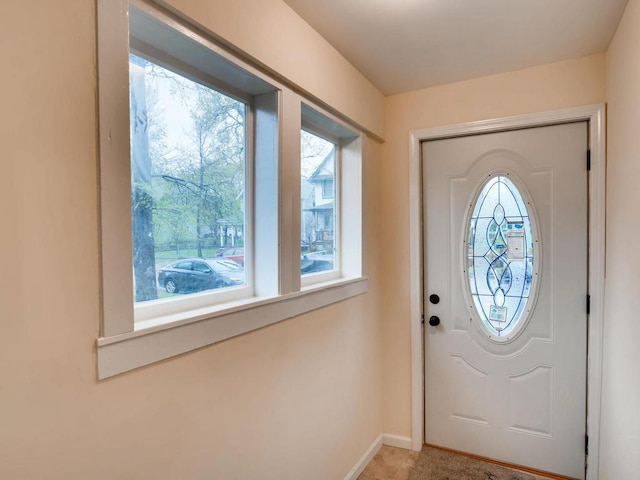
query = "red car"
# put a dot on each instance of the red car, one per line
(233, 253)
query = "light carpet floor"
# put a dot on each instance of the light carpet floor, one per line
(436, 464)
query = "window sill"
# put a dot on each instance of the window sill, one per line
(155, 340)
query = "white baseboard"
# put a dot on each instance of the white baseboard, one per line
(383, 439)
(365, 459)
(396, 441)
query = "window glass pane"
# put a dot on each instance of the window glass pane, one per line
(188, 181)
(500, 255)
(318, 165)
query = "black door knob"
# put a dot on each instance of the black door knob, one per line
(434, 299)
(434, 321)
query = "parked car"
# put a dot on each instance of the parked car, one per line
(233, 253)
(198, 274)
(313, 263)
(227, 268)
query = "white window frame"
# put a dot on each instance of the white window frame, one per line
(153, 312)
(273, 213)
(347, 195)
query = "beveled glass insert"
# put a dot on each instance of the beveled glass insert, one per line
(500, 256)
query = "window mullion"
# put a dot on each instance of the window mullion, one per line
(289, 207)
(265, 187)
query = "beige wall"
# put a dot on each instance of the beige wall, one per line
(300, 399)
(621, 390)
(303, 398)
(548, 87)
(289, 46)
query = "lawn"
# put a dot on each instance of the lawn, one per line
(171, 255)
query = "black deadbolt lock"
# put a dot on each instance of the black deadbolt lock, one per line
(434, 299)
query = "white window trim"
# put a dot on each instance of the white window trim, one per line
(347, 195)
(124, 344)
(121, 353)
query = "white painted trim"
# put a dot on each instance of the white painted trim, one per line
(415, 291)
(396, 441)
(114, 164)
(597, 272)
(365, 459)
(121, 353)
(595, 115)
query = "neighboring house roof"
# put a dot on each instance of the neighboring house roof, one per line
(325, 169)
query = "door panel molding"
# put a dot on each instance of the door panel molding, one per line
(595, 115)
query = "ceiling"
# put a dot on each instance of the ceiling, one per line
(403, 45)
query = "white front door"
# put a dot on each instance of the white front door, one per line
(506, 252)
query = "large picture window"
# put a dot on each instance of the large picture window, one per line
(188, 155)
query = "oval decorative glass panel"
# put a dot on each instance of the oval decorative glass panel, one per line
(500, 253)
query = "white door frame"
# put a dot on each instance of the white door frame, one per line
(595, 115)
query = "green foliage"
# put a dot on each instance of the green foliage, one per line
(198, 166)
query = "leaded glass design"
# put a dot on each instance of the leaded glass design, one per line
(500, 255)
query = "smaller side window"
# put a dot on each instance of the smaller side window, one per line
(317, 204)
(188, 164)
